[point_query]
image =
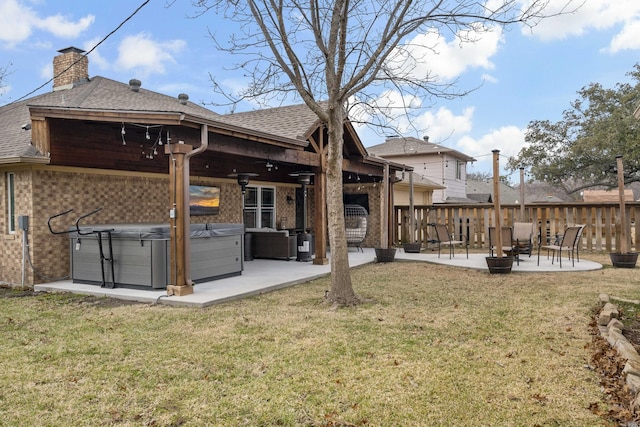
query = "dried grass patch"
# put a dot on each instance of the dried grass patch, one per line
(435, 346)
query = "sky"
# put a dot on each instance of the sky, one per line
(518, 76)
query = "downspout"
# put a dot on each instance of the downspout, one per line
(204, 144)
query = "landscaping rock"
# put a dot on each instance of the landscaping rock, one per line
(609, 311)
(632, 367)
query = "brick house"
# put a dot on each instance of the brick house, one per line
(96, 143)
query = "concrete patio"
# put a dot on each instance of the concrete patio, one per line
(262, 275)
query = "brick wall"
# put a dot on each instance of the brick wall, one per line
(124, 198)
(11, 244)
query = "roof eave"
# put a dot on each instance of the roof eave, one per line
(379, 161)
(175, 118)
(24, 160)
(250, 134)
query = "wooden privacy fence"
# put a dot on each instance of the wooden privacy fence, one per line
(602, 222)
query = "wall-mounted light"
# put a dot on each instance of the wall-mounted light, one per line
(289, 199)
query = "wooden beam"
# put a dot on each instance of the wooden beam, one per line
(259, 151)
(40, 135)
(179, 285)
(361, 168)
(107, 116)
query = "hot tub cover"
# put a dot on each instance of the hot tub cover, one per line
(150, 231)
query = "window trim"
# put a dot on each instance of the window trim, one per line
(11, 202)
(258, 208)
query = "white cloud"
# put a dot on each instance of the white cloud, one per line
(18, 21)
(443, 125)
(95, 57)
(5, 90)
(627, 39)
(145, 55)
(61, 27)
(435, 57)
(15, 22)
(593, 14)
(508, 139)
(46, 72)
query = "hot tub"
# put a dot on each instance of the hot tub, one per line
(142, 254)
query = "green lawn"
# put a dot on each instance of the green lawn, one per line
(436, 346)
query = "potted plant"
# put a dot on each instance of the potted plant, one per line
(412, 247)
(498, 264)
(623, 258)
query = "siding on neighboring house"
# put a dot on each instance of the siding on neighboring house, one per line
(434, 162)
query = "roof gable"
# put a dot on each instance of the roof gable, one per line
(293, 121)
(410, 146)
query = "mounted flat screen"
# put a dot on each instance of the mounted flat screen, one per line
(204, 200)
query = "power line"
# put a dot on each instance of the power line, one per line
(84, 55)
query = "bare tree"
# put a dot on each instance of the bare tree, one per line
(4, 73)
(337, 54)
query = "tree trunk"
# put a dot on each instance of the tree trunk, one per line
(341, 292)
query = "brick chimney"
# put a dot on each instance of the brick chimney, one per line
(69, 68)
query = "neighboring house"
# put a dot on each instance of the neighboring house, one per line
(96, 143)
(534, 192)
(482, 191)
(436, 163)
(423, 189)
(599, 196)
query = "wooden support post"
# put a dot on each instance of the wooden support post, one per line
(385, 208)
(622, 246)
(496, 202)
(522, 204)
(412, 225)
(320, 218)
(179, 285)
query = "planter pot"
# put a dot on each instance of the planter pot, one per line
(499, 265)
(412, 248)
(627, 260)
(385, 254)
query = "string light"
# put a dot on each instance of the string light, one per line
(153, 150)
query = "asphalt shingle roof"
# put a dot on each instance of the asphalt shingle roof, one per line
(293, 121)
(407, 146)
(100, 94)
(103, 94)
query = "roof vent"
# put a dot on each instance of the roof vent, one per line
(135, 84)
(183, 97)
(426, 138)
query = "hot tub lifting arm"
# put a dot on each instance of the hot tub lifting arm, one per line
(103, 257)
(81, 217)
(55, 216)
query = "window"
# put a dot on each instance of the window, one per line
(260, 207)
(459, 166)
(11, 203)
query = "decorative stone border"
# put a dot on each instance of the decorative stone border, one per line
(611, 330)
